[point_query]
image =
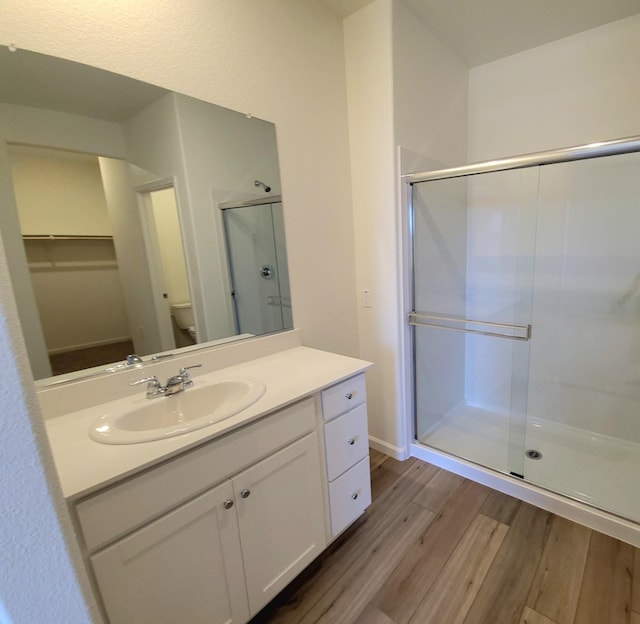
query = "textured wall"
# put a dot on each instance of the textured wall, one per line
(573, 91)
(37, 582)
(280, 60)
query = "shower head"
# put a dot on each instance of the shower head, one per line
(267, 189)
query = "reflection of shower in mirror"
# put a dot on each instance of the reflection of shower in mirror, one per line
(267, 189)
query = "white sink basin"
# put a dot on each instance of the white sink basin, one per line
(163, 417)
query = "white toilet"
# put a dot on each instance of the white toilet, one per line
(183, 315)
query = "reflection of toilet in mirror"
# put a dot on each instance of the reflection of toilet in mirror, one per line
(182, 314)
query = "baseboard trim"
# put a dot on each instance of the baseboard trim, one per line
(89, 345)
(397, 452)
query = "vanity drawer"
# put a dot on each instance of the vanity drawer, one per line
(346, 441)
(142, 498)
(349, 496)
(343, 396)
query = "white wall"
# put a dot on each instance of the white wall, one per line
(37, 577)
(430, 94)
(368, 55)
(281, 60)
(405, 88)
(577, 90)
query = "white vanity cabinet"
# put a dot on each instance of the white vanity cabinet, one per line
(243, 540)
(165, 573)
(344, 411)
(214, 534)
(280, 518)
(221, 555)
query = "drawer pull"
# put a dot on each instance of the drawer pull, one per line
(245, 493)
(351, 441)
(349, 396)
(228, 503)
(354, 496)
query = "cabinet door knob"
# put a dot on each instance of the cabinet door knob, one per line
(228, 503)
(354, 495)
(245, 493)
(351, 441)
(348, 396)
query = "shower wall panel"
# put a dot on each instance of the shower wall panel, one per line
(501, 238)
(585, 359)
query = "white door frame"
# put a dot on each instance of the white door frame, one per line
(154, 259)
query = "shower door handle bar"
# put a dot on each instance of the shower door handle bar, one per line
(485, 328)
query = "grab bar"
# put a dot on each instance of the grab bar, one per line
(496, 330)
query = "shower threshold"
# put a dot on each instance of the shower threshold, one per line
(585, 466)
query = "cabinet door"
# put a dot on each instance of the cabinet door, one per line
(185, 567)
(281, 518)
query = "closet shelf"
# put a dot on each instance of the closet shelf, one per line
(54, 237)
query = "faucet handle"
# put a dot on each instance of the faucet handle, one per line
(154, 382)
(154, 388)
(186, 377)
(133, 359)
(184, 369)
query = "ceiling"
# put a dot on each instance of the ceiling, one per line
(480, 31)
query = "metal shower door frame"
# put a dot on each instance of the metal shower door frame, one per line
(518, 332)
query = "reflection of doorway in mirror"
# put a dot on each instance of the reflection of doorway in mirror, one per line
(167, 262)
(71, 257)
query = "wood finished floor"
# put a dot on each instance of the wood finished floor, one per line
(437, 548)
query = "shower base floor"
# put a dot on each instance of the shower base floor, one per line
(594, 468)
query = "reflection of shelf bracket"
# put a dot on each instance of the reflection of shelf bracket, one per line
(281, 302)
(469, 326)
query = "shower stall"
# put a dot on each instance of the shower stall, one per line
(257, 261)
(526, 319)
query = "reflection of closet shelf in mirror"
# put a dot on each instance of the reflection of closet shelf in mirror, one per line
(69, 252)
(54, 237)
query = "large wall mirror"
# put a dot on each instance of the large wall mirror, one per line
(135, 220)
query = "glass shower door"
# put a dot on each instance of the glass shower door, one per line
(473, 243)
(256, 254)
(584, 392)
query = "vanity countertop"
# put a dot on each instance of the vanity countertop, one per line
(84, 465)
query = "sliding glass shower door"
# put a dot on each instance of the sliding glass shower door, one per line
(584, 389)
(474, 239)
(526, 294)
(256, 254)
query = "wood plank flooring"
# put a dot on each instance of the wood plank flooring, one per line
(435, 548)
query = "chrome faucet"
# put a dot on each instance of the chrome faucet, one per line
(176, 383)
(181, 381)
